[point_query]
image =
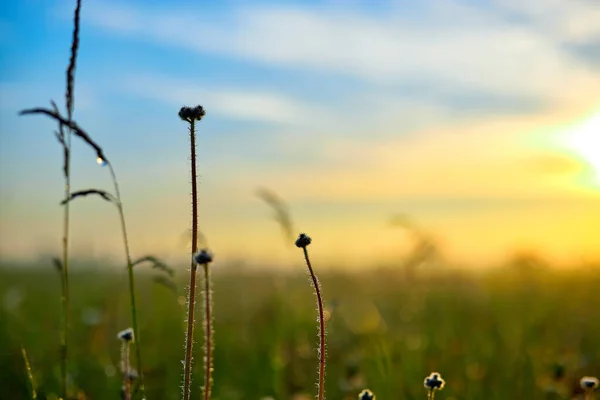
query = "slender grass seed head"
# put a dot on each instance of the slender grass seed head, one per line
(204, 256)
(434, 382)
(126, 335)
(366, 395)
(303, 240)
(589, 383)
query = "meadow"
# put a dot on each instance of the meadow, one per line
(514, 332)
(73, 329)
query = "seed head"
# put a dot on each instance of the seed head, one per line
(366, 395)
(190, 114)
(303, 240)
(434, 382)
(204, 256)
(126, 335)
(589, 383)
(132, 375)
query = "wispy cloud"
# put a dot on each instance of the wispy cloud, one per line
(503, 159)
(446, 44)
(253, 105)
(564, 21)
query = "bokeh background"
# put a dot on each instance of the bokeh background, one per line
(443, 155)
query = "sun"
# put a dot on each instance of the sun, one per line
(583, 141)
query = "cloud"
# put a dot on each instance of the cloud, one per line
(249, 105)
(565, 21)
(446, 45)
(18, 95)
(499, 159)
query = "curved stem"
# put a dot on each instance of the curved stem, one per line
(322, 333)
(134, 322)
(189, 337)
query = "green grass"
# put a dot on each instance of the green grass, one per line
(499, 335)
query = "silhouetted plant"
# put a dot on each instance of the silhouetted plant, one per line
(191, 115)
(64, 139)
(433, 383)
(302, 242)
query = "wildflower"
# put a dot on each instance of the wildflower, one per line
(366, 395)
(434, 382)
(303, 240)
(203, 257)
(589, 383)
(126, 335)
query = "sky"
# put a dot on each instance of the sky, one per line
(478, 121)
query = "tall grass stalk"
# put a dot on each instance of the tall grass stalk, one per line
(134, 318)
(116, 200)
(191, 115)
(303, 241)
(66, 140)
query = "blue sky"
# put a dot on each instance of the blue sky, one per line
(349, 109)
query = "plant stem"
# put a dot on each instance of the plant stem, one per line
(208, 332)
(125, 357)
(29, 373)
(66, 141)
(65, 295)
(134, 322)
(322, 333)
(189, 337)
(65, 280)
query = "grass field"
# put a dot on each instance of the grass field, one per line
(504, 334)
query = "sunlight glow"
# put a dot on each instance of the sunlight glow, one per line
(583, 139)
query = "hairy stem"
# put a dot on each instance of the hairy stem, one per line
(208, 333)
(134, 319)
(189, 336)
(126, 368)
(322, 333)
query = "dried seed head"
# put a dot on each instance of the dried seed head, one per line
(190, 114)
(204, 256)
(589, 383)
(132, 375)
(434, 382)
(303, 240)
(126, 335)
(366, 395)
